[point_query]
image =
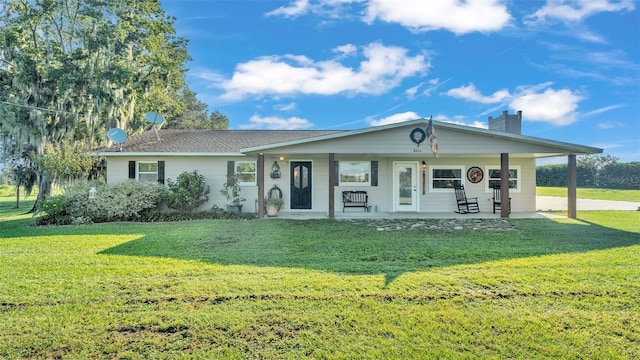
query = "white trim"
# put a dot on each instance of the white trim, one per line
(368, 168)
(138, 172)
(562, 147)
(487, 177)
(172, 154)
(255, 172)
(415, 192)
(445, 167)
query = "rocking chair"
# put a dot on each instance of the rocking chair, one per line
(497, 203)
(465, 205)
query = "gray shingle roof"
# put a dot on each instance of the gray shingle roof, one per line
(209, 141)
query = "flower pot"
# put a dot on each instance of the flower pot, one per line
(272, 210)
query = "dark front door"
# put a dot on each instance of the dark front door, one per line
(300, 185)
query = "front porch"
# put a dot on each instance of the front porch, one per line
(306, 215)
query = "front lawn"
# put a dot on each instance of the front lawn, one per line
(320, 289)
(589, 193)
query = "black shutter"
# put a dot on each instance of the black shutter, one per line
(132, 169)
(336, 169)
(161, 172)
(374, 173)
(231, 169)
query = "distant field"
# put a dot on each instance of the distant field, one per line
(588, 193)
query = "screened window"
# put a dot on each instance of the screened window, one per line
(445, 177)
(148, 171)
(246, 173)
(493, 177)
(355, 173)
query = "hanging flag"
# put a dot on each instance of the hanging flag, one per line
(431, 136)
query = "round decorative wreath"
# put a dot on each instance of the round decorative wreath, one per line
(475, 174)
(418, 136)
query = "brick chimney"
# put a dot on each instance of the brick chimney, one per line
(507, 123)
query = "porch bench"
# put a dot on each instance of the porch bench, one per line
(355, 199)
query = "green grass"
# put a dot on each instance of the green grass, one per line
(319, 289)
(587, 193)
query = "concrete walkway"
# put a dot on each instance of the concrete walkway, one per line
(545, 204)
(552, 203)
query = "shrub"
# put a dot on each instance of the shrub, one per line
(161, 216)
(54, 211)
(125, 201)
(188, 192)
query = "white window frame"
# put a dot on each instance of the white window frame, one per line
(366, 166)
(254, 173)
(138, 172)
(487, 177)
(444, 167)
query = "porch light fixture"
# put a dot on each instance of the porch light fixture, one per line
(281, 158)
(424, 164)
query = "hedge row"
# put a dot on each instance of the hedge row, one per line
(612, 176)
(126, 201)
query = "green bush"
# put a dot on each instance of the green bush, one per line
(163, 216)
(188, 192)
(611, 176)
(54, 210)
(126, 201)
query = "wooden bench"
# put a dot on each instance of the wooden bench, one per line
(355, 199)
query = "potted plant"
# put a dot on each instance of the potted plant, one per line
(231, 191)
(273, 205)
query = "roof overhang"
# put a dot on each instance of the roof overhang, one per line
(167, 154)
(557, 148)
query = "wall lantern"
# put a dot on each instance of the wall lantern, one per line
(424, 164)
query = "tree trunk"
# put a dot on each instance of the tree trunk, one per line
(18, 196)
(45, 189)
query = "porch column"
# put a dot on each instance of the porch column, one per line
(332, 181)
(571, 187)
(260, 171)
(504, 185)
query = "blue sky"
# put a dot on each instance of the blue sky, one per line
(571, 66)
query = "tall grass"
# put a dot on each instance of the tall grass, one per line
(320, 289)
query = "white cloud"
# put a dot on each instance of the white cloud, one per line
(602, 110)
(411, 92)
(285, 107)
(557, 107)
(457, 16)
(470, 93)
(382, 69)
(346, 50)
(395, 118)
(277, 123)
(610, 125)
(459, 120)
(297, 8)
(577, 10)
(328, 8)
(538, 102)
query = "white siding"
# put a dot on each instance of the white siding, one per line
(214, 169)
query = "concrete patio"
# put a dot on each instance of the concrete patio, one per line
(545, 205)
